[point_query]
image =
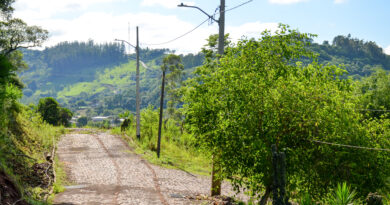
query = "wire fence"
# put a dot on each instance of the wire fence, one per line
(349, 146)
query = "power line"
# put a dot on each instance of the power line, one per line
(350, 146)
(374, 110)
(156, 44)
(238, 5)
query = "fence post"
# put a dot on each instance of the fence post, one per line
(279, 178)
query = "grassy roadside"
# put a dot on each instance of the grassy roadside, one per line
(24, 146)
(174, 155)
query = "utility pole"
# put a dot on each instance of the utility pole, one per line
(137, 84)
(161, 113)
(221, 23)
(138, 133)
(215, 181)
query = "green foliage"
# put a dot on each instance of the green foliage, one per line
(16, 34)
(82, 121)
(359, 57)
(53, 113)
(306, 200)
(343, 195)
(259, 95)
(178, 148)
(374, 92)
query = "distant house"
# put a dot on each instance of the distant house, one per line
(100, 118)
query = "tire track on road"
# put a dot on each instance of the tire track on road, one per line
(118, 172)
(155, 178)
(156, 184)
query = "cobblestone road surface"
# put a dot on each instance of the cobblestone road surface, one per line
(105, 171)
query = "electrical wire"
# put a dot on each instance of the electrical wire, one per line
(157, 44)
(238, 5)
(188, 32)
(350, 146)
(373, 110)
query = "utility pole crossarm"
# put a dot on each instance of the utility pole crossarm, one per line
(211, 17)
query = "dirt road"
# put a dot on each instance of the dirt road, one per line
(105, 171)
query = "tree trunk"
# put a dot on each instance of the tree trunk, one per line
(215, 182)
(265, 197)
(161, 115)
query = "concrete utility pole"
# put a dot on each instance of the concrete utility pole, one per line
(221, 23)
(137, 85)
(137, 106)
(215, 182)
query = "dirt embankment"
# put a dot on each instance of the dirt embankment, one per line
(9, 194)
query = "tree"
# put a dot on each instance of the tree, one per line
(172, 64)
(375, 94)
(53, 113)
(82, 121)
(65, 115)
(260, 95)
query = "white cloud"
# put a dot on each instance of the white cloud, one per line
(286, 1)
(164, 3)
(340, 1)
(47, 8)
(387, 50)
(105, 26)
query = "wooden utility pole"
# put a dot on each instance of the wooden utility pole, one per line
(161, 114)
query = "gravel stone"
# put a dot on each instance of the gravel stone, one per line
(104, 170)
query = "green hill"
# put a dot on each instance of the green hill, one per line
(95, 77)
(99, 79)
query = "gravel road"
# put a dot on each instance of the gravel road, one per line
(104, 170)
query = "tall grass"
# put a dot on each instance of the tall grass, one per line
(24, 141)
(178, 148)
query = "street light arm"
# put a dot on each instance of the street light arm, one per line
(126, 42)
(183, 5)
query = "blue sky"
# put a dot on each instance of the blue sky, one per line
(161, 20)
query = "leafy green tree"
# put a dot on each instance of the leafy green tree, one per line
(53, 113)
(260, 95)
(172, 64)
(82, 121)
(65, 115)
(375, 94)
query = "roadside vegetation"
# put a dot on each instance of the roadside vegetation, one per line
(333, 130)
(178, 148)
(27, 141)
(280, 117)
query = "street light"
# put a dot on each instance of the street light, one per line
(138, 133)
(124, 41)
(220, 21)
(215, 182)
(183, 5)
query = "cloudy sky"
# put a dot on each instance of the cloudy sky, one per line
(160, 21)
